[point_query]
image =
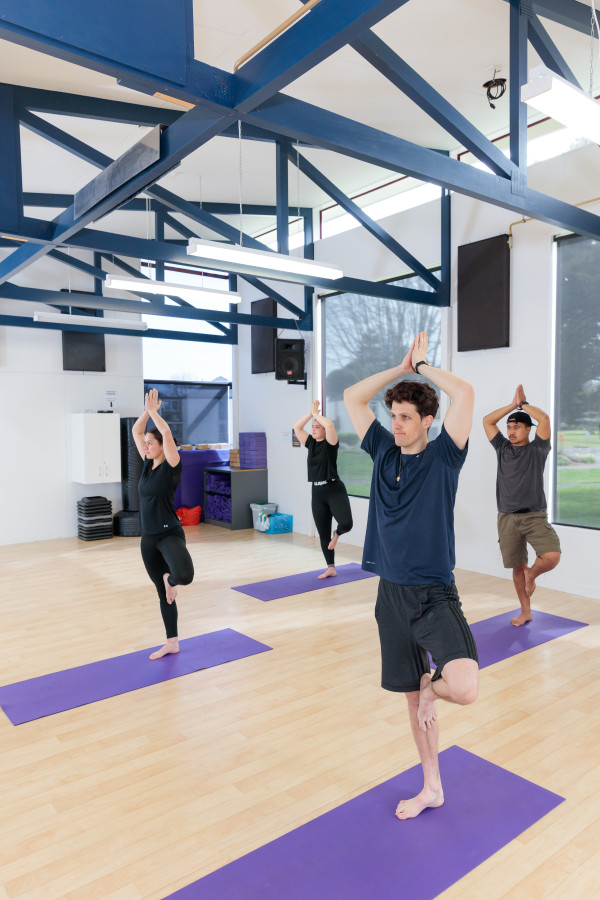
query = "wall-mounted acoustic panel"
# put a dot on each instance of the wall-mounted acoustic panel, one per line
(262, 340)
(484, 294)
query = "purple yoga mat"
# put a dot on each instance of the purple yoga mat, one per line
(497, 639)
(361, 850)
(59, 691)
(300, 584)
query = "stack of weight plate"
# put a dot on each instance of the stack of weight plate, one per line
(94, 519)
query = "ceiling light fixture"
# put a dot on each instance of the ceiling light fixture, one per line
(558, 98)
(184, 291)
(88, 321)
(216, 251)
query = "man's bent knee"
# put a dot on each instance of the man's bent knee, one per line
(462, 678)
(551, 559)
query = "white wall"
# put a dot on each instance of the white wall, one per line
(265, 404)
(38, 496)
(495, 374)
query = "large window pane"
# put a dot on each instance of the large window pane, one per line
(361, 336)
(577, 393)
(196, 413)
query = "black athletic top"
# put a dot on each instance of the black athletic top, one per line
(157, 490)
(322, 459)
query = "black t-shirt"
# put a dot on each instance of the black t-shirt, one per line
(157, 490)
(322, 459)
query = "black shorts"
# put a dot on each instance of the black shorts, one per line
(414, 620)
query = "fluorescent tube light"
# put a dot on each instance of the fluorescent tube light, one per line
(88, 321)
(261, 259)
(185, 291)
(558, 98)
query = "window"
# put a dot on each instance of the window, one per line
(197, 413)
(361, 336)
(576, 441)
(186, 360)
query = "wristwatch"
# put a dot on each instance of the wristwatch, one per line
(524, 403)
(422, 362)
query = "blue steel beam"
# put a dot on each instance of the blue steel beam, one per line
(365, 220)
(82, 107)
(518, 29)
(60, 201)
(446, 247)
(399, 73)
(25, 322)
(282, 195)
(565, 12)
(11, 188)
(139, 248)
(285, 115)
(92, 301)
(547, 50)
(64, 140)
(149, 37)
(187, 134)
(324, 30)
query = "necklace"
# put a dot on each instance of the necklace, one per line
(399, 467)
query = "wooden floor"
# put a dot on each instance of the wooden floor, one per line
(139, 795)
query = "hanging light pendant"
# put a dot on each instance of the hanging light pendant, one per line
(184, 291)
(216, 251)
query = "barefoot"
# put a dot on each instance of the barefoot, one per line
(427, 711)
(408, 809)
(333, 541)
(529, 582)
(170, 589)
(171, 646)
(522, 619)
(329, 572)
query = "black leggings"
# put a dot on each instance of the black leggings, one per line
(167, 553)
(330, 501)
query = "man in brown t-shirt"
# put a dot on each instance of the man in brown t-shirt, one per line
(522, 514)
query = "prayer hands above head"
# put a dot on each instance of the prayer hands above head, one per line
(419, 348)
(406, 363)
(519, 396)
(315, 408)
(151, 402)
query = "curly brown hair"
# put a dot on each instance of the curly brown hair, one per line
(420, 394)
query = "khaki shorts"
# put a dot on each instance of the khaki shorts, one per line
(516, 530)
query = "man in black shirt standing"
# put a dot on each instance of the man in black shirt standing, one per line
(522, 514)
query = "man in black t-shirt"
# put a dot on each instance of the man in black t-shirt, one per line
(522, 514)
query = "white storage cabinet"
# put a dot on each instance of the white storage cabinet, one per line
(95, 447)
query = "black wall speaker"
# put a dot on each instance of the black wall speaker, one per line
(289, 360)
(483, 297)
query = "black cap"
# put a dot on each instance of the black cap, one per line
(520, 416)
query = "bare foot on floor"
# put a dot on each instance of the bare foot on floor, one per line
(329, 572)
(427, 711)
(408, 809)
(529, 582)
(522, 619)
(333, 541)
(171, 646)
(170, 589)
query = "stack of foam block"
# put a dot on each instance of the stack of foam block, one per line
(253, 450)
(94, 519)
(234, 459)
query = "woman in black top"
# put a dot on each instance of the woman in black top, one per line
(329, 497)
(164, 552)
